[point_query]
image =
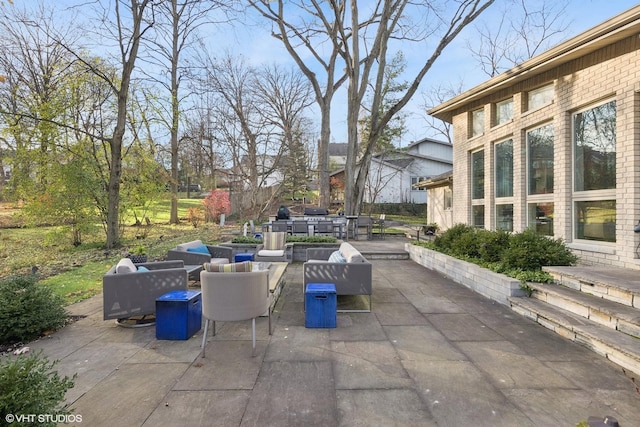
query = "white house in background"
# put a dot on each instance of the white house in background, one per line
(393, 175)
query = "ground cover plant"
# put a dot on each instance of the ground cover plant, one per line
(519, 255)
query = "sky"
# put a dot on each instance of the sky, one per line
(453, 67)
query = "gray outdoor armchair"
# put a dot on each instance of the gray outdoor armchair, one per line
(129, 293)
(234, 296)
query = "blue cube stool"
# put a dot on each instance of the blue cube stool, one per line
(178, 315)
(321, 305)
(243, 257)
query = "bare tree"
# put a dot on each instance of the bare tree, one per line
(362, 43)
(176, 30)
(310, 32)
(523, 30)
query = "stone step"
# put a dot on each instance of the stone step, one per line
(621, 286)
(376, 255)
(620, 348)
(600, 310)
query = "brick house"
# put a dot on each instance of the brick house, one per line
(554, 144)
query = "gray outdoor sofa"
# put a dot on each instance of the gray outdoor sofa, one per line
(196, 253)
(128, 292)
(351, 274)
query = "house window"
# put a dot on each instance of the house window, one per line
(417, 179)
(540, 97)
(448, 198)
(504, 168)
(540, 217)
(477, 122)
(504, 111)
(503, 155)
(477, 175)
(477, 188)
(594, 134)
(594, 146)
(504, 217)
(596, 220)
(540, 160)
(477, 212)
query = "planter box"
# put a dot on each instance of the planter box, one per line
(299, 248)
(495, 286)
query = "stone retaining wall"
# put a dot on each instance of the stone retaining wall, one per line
(495, 286)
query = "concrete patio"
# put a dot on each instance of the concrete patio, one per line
(431, 353)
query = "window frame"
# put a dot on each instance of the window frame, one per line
(476, 117)
(497, 121)
(537, 91)
(594, 195)
(542, 224)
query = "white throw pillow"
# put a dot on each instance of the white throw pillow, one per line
(125, 265)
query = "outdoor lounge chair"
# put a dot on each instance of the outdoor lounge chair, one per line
(234, 296)
(129, 292)
(274, 248)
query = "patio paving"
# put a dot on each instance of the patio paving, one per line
(431, 353)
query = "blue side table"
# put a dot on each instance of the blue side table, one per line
(178, 315)
(321, 305)
(243, 257)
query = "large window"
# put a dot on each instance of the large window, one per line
(504, 111)
(594, 133)
(504, 168)
(477, 188)
(477, 212)
(477, 175)
(540, 217)
(540, 97)
(594, 147)
(540, 160)
(596, 220)
(540, 169)
(477, 122)
(504, 185)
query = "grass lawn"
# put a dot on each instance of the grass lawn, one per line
(76, 272)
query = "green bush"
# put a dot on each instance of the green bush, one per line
(529, 250)
(509, 253)
(444, 242)
(29, 385)
(28, 309)
(492, 244)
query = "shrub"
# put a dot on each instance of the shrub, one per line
(529, 250)
(445, 241)
(520, 255)
(215, 204)
(29, 385)
(28, 309)
(492, 244)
